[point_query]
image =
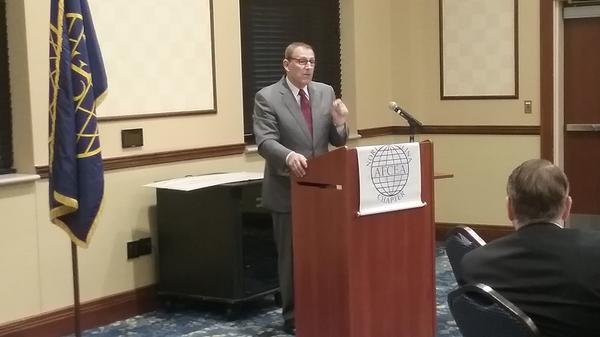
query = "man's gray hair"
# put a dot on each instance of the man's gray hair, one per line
(289, 50)
(537, 189)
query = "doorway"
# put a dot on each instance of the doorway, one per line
(581, 41)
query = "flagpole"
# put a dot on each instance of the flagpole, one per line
(75, 62)
(76, 306)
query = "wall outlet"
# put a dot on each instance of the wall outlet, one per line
(138, 248)
(132, 250)
(132, 138)
(144, 246)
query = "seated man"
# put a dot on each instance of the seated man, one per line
(551, 273)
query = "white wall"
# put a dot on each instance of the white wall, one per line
(480, 163)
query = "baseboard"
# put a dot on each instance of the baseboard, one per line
(93, 314)
(487, 232)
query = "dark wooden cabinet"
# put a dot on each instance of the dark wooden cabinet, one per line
(216, 243)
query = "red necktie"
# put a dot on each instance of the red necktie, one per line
(305, 107)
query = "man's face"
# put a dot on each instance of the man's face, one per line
(300, 66)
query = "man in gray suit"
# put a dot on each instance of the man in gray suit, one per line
(294, 119)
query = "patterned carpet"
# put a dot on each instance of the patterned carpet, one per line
(261, 319)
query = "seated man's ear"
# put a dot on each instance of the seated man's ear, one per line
(567, 208)
(510, 210)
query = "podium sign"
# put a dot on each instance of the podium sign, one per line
(389, 178)
(361, 276)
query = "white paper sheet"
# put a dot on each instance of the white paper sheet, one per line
(191, 183)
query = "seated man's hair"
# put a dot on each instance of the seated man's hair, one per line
(537, 189)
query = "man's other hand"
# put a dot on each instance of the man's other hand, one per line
(297, 163)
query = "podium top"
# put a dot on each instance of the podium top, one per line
(334, 167)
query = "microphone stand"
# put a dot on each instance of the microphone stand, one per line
(413, 123)
(412, 128)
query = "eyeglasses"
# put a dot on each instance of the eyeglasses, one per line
(304, 62)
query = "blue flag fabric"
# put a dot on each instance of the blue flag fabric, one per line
(77, 86)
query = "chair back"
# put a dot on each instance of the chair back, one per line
(459, 242)
(479, 311)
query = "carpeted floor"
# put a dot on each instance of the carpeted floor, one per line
(261, 319)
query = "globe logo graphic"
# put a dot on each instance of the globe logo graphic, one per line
(389, 170)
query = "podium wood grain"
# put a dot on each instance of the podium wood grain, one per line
(361, 276)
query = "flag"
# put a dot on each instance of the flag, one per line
(77, 86)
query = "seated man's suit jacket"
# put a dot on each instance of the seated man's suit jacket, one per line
(552, 274)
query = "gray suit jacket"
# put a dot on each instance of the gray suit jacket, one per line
(279, 128)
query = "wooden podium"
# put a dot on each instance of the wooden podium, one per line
(369, 276)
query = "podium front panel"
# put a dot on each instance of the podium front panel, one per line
(361, 276)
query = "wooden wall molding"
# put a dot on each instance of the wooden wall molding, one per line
(515, 130)
(116, 163)
(382, 131)
(93, 314)
(162, 157)
(547, 79)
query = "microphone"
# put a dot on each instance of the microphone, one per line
(404, 114)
